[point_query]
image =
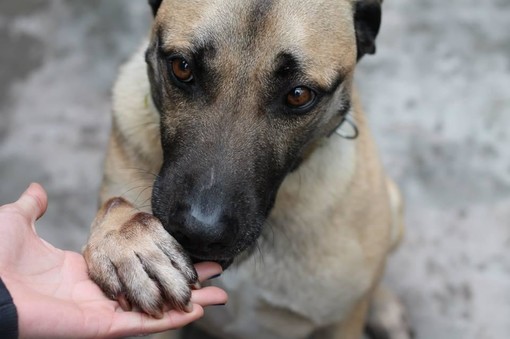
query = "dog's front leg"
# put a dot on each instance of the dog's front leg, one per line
(381, 316)
(349, 328)
(387, 318)
(135, 261)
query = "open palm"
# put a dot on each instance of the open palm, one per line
(53, 294)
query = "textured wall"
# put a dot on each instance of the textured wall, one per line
(437, 95)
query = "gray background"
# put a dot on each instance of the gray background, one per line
(437, 95)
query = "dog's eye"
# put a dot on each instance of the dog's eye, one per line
(181, 69)
(300, 97)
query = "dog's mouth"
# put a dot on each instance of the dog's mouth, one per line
(219, 253)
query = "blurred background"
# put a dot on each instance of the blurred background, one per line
(437, 94)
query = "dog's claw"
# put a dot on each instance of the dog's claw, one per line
(124, 303)
(158, 315)
(189, 307)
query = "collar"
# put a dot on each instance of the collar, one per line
(345, 123)
(353, 134)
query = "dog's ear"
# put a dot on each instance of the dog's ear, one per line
(367, 20)
(155, 5)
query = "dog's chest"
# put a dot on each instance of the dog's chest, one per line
(276, 296)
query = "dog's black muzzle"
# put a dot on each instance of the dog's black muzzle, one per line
(214, 211)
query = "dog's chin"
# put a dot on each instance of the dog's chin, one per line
(224, 262)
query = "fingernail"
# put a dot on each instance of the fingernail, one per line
(28, 188)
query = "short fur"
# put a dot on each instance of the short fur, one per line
(226, 168)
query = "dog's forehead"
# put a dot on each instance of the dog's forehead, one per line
(319, 33)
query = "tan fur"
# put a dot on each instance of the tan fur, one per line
(335, 219)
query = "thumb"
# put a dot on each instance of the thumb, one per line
(33, 202)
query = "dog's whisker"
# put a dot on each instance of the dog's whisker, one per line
(142, 171)
(261, 253)
(141, 207)
(279, 230)
(142, 192)
(131, 189)
(270, 228)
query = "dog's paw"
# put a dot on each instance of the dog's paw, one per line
(135, 261)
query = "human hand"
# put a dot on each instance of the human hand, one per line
(53, 294)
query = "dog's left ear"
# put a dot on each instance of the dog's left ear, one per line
(155, 5)
(367, 20)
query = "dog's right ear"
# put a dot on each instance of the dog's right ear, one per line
(367, 21)
(155, 5)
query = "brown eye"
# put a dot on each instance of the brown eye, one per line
(182, 70)
(300, 97)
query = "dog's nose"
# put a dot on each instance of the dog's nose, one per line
(204, 233)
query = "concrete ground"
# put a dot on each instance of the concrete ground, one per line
(437, 95)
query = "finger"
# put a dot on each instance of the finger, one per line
(136, 323)
(208, 270)
(33, 202)
(209, 296)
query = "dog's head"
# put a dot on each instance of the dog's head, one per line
(244, 90)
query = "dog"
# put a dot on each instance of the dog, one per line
(226, 146)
